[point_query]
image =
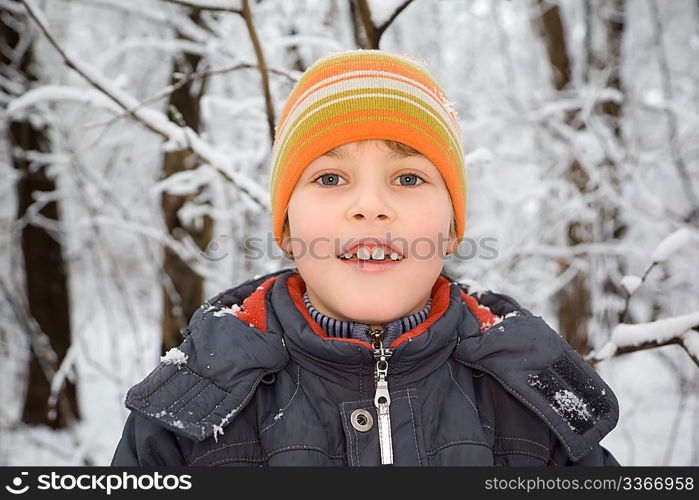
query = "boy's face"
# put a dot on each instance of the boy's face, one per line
(362, 190)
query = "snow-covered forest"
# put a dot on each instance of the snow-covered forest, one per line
(134, 169)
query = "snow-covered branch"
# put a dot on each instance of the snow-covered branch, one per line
(665, 249)
(177, 137)
(63, 93)
(626, 338)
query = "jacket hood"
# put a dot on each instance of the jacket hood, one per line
(199, 387)
(244, 333)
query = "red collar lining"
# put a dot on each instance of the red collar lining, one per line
(254, 311)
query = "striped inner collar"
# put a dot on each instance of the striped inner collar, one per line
(360, 331)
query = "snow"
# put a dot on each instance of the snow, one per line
(567, 403)
(630, 283)
(671, 244)
(606, 351)
(656, 331)
(65, 372)
(174, 357)
(33, 97)
(690, 340)
(654, 98)
(228, 310)
(185, 182)
(474, 287)
(499, 319)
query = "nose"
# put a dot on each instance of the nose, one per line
(371, 205)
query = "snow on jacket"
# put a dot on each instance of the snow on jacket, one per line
(256, 382)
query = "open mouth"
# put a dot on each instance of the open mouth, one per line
(375, 253)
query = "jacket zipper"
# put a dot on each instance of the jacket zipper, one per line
(382, 398)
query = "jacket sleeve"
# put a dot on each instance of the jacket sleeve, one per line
(599, 456)
(146, 444)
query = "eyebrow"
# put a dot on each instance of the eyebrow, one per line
(341, 153)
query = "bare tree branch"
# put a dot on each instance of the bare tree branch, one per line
(380, 30)
(373, 33)
(364, 12)
(211, 5)
(262, 65)
(628, 296)
(197, 76)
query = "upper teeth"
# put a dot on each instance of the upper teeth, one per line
(363, 253)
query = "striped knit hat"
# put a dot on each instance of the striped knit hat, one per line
(360, 95)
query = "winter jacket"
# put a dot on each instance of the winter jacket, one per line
(481, 381)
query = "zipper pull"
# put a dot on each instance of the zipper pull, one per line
(382, 398)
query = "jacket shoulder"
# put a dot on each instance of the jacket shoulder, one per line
(202, 385)
(534, 366)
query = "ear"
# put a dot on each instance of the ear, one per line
(453, 244)
(453, 240)
(285, 240)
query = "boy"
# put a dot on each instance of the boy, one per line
(366, 354)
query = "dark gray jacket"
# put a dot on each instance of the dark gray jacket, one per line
(516, 394)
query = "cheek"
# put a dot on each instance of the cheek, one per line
(429, 229)
(429, 218)
(310, 228)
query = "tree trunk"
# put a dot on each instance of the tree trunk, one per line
(186, 294)
(611, 225)
(575, 307)
(573, 301)
(44, 268)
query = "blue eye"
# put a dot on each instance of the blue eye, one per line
(329, 179)
(410, 179)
